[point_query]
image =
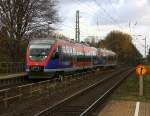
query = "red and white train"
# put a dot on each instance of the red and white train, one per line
(48, 57)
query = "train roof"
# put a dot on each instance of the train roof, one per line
(43, 41)
(75, 44)
(61, 42)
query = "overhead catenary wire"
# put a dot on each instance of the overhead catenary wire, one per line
(108, 16)
(114, 20)
(93, 13)
(73, 28)
(112, 6)
(91, 10)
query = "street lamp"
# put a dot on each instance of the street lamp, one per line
(145, 42)
(49, 22)
(145, 45)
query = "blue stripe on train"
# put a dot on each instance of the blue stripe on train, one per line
(55, 64)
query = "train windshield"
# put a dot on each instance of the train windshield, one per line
(39, 51)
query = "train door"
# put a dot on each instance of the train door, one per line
(67, 56)
(74, 58)
(56, 58)
(83, 57)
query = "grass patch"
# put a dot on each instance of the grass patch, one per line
(129, 89)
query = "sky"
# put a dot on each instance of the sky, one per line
(99, 17)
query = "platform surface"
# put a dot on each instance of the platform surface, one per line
(125, 108)
(5, 76)
(144, 109)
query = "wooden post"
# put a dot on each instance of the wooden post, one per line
(5, 97)
(141, 86)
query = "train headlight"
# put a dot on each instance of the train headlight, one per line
(44, 57)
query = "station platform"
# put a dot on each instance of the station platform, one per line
(125, 108)
(9, 76)
(10, 79)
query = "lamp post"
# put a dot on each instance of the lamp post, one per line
(49, 22)
(145, 42)
(145, 45)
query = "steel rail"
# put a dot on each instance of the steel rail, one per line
(35, 88)
(93, 105)
(60, 103)
(21, 78)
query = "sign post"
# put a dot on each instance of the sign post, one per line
(141, 86)
(141, 71)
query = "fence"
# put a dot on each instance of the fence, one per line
(12, 67)
(11, 96)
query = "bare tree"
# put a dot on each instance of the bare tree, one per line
(20, 17)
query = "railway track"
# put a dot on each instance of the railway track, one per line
(12, 81)
(15, 80)
(47, 87)
(84, 101)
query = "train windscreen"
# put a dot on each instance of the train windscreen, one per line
(38, 50)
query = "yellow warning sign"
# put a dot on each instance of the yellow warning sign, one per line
(141, 70)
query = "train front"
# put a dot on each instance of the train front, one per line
(37, 57)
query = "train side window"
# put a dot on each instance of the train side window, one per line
(59, 49)
(56, 54)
